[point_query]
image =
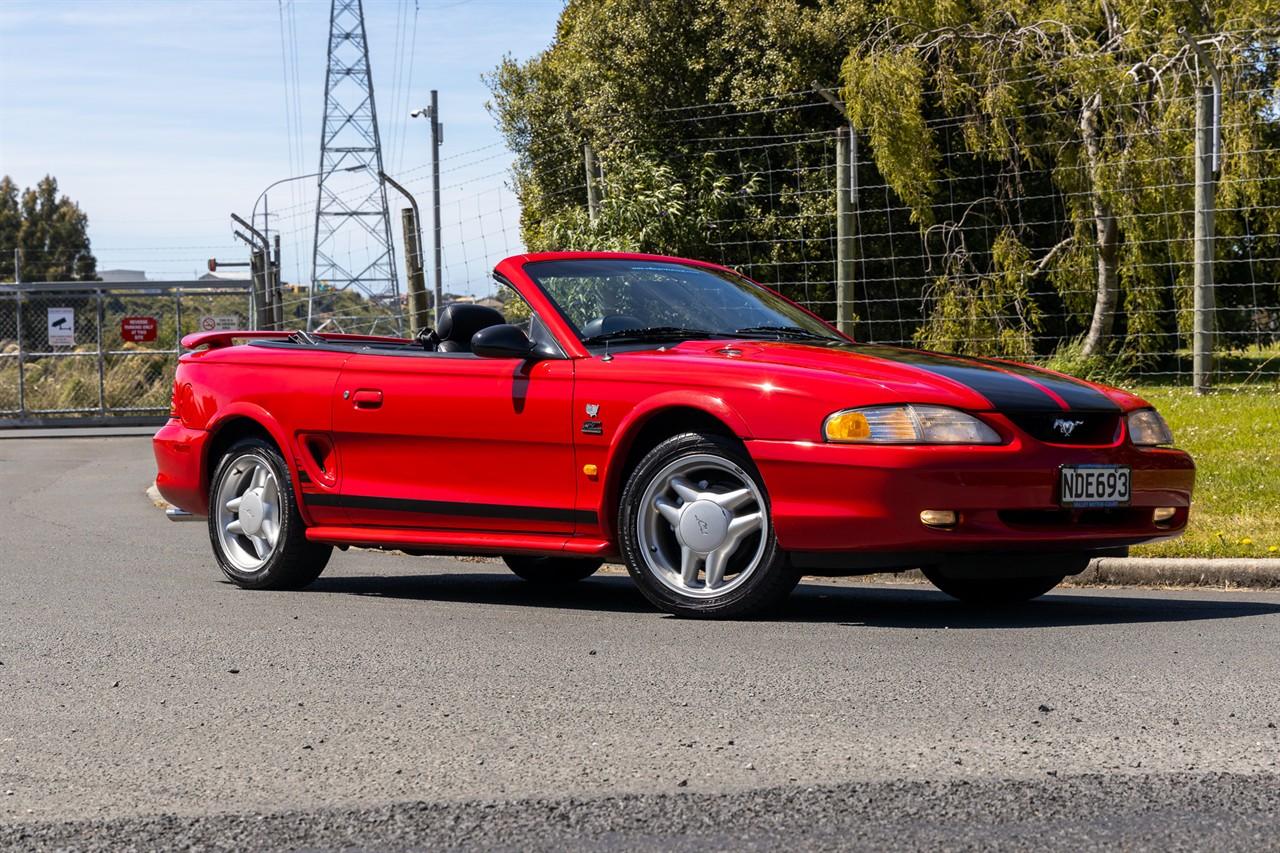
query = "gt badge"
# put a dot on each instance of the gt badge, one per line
(591, 426)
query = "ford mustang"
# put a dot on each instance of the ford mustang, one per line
(718, 439)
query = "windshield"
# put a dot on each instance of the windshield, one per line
(613, 299)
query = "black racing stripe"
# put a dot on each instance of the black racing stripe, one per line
(1077, 393)
(474, 510)
(1006, 392)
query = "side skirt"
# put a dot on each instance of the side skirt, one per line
(461, 542)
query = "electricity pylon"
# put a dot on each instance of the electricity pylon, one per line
(353, 265)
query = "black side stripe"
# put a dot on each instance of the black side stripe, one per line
(474, 510)
(994, 381)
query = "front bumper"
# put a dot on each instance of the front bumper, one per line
(865, 499)
(179, 452)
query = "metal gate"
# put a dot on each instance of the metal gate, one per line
(90, 353)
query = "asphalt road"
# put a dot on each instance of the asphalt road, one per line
(409, 702)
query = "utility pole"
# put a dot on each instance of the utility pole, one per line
(271, 270)
(1208, 146)
(411, 221)
(437, 140)
(17, 265)
(277, 290)
(593, 196)
(846, 227)
(846, 213)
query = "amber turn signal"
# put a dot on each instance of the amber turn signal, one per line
(848, 426)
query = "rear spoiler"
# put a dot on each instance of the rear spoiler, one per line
(226, 338)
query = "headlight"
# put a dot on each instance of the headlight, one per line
(1148, 429)
(907, 425)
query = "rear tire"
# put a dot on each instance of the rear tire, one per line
(258, 535)
(551, 571)
(993, 592)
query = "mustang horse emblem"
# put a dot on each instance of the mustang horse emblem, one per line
(1066, 427)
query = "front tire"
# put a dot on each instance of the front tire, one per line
(258, 535)
(551, 571)
(696, 531)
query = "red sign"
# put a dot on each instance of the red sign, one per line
(138, 329)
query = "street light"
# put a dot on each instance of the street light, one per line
(267, 298)
(266, 225)
(418, 309)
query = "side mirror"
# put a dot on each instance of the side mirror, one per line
(502, 341)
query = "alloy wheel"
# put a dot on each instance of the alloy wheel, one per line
(702, 526)
(248, 513)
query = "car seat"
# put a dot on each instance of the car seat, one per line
(459, 321)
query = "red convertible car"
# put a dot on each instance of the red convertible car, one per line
(716, 437)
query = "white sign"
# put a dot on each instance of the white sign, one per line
(210, 323)
(62, 327)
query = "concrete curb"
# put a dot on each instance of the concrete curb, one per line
(153, 495)
(1180, 571)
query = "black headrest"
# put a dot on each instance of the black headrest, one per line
(459, 321)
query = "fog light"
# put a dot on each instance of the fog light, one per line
(938, 518)
(1161, 514)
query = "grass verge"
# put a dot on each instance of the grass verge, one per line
(1232, 434)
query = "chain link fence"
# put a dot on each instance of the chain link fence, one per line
(90, 352)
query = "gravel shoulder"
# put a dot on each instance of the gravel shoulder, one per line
(1140, 812)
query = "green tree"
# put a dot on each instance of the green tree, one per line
(622, 75)
(1042, 151)
(1095, 97)
(50, 232)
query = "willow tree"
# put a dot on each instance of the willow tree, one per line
(1094, 100)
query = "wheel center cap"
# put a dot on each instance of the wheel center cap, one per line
(703, 526)
(251, 513)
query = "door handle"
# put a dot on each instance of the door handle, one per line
(367, 399)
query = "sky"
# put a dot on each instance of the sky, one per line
(162, 117)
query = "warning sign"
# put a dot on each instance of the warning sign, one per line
(138, 329)
(210, 323)
(62, 327)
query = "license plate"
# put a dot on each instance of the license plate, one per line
(1094, 485)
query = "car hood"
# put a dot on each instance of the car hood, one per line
(910, 375)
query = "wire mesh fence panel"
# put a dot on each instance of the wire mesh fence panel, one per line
(60, 364)
(10, 386)
(70, 351)
(208, 310)
(1019, 219)
(138, 382)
